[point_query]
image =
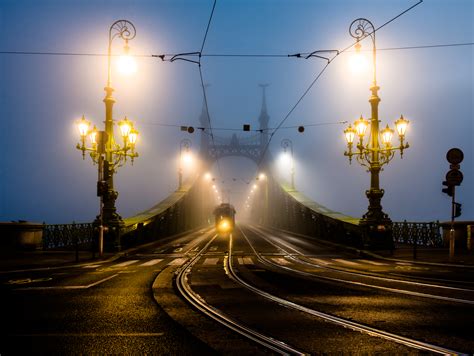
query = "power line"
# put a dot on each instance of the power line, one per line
(319, 75)
(204, 87)
(229, 55)
(385, 24)
(290, 112)
(240, 129)
(208, 25)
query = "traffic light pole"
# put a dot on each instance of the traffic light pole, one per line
(451, 231)
(101, 208)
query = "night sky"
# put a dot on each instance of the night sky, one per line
(43, 176)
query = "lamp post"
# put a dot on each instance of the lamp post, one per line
(262, 177)
(104, 150)
(186, 144)
(285, 143)
(373, 154)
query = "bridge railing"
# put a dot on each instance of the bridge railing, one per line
(68, 236)
(289, 209)
(183, 210)
(418, 233)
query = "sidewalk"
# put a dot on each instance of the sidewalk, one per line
(20, 260)
(437, 255)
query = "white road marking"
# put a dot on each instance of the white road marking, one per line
(71, 287)
(126, 263)
(210, 261)
(152, 262)
(373, 263)
(281, 261)
(91, 266)
(213, 248)
(177, 261)
(246, 261)
(179, 249)
(340, 260)
(87, 334)
(320, 262)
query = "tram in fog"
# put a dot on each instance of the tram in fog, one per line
(224, 218)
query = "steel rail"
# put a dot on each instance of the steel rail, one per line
(334, 319)
(360, 274)
(199, 303)
(392, 290)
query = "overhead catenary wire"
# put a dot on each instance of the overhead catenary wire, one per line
(203, 86)
(319, 76)
(240, 129)
(229, 55)
(208, 25)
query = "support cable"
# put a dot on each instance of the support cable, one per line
(208, 25)
(319, 75)
(240, 129)
(204, 87)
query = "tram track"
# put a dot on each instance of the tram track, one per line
(184, 288)
(406, 279)
(412, 343)
(297, 259)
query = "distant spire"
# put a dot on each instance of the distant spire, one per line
(264, 99)
(204, 118)
(263, 118)
(204, 121)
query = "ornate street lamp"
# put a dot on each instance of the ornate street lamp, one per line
(373, 154)
(104, 150)
(186, 144)
(286, 143)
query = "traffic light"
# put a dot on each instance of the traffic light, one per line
(449, 189)
(457, 209)
(107, 171)
(102, 188)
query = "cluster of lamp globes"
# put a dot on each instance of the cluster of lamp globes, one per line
(128, 132)
(360, 128)
(261, 176)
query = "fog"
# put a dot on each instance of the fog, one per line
(43, 176)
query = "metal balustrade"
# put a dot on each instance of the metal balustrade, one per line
(419, 233)
(185, 209)
(68, 236)
(191, 207)
(288, 209)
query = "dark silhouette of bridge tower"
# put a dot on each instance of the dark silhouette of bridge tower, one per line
(252, 145)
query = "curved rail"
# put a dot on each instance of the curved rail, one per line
(199, 303)
(334, 319)
(393, 290)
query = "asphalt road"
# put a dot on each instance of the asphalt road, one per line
(96, 309)
(132, 305)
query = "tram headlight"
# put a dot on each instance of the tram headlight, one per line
(224, 226)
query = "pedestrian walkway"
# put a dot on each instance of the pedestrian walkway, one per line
(46, 259)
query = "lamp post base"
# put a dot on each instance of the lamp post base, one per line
(377, 235)
(111, 234)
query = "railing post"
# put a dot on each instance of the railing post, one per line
(76, 240)
(415, 243)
